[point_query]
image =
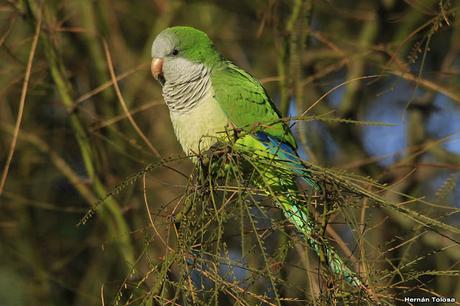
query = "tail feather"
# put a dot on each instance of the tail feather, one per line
(304, 223)
(278, 164)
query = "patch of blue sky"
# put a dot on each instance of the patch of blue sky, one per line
(197, 276)
(388, 142)
(335, 97)
(445, 122)
(231, 268)
(295, 127)
(235, 269)
(312, 127)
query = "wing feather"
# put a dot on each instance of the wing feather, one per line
(246, 103)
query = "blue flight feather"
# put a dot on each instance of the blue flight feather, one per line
(286, 153)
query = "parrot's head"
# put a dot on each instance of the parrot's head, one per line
(177, 51)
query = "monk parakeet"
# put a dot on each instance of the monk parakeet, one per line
(208, 95)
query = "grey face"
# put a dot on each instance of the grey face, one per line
(164, 44)
(174, 68)
(184, 82)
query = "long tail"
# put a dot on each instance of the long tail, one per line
(277, 165)
(300, 217)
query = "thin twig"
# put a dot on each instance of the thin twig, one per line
(338, 86)
(123, 103)
(22, 101)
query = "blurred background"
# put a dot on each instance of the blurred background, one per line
(67, 136)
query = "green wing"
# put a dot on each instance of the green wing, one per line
(246, 103)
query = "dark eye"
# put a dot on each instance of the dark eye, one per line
(175, 52)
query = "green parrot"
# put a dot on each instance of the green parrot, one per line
(207, 95)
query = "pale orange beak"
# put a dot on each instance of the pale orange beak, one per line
(157, 67)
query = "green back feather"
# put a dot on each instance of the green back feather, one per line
(241, 97)
(246, 103)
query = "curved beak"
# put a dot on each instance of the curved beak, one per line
(157, 67)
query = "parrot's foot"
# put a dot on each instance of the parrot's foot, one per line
(214, 154)
(216, 160)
